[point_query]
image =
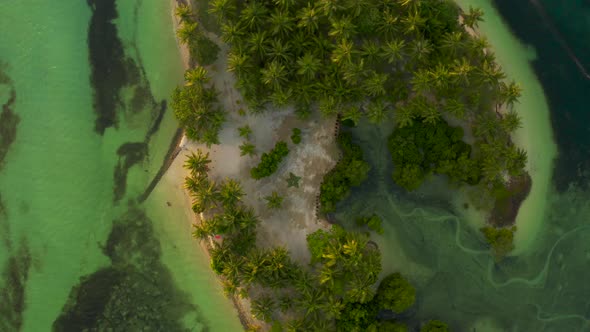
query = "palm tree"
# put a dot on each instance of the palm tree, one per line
(238, 61)
(232, 268)
(275, 74)
(387, 26)
(303, 281)
(184, 12)
(308, 65)
(197, 163)
(422, 81)
(280, 51)
(461, 70)
(274, 200)
(455, 108)
(478, 45)
(410, 5)
(370, 51)
(262, 308)
(420, 49)
(281, 23)
(248, 219)
(509, 93)
(206, 198)
(309, 18)
(393, 50)
(194, 183)
(511, 121)
(355, 7)
(255, 262)
(254, 15)
(247, 149)
(332, 307)
(374, 85)
(296, 325)
(491, 74)
(230, 192)
(360, 288)
(430, 114)
(196, 76)
(352, 113)
(328, 105)
(440, 77)
(231, 32)
(245, 131)
(472, 18)
(330, 7)
(281, 96)
(342, 28)
(285, 4)
(517, 160)
(187, 31)
(376, 111)
(413, 22)
(404, 116)
(279, 264)
(486, 125)
(259, 43)
(353, 72)
(310, 301)
(343, 52)
(452, 42)
(222, 9)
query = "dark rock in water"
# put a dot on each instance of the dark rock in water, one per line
(129, 155)
(15, 274)
(8, 125)
(135, 293)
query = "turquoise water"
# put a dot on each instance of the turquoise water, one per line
(84, 129)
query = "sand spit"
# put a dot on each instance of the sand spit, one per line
(536, 134)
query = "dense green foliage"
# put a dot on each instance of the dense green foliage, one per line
(269, 161)
(197, 109)
(296, 136)
(335, 293)
(395, 293)
(435, 326)
(373, 222)
(422, 148)
(500, 239)
(350, 171)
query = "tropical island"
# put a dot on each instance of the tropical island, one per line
(281, 85)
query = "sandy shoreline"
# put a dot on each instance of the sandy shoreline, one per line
(536, 134)
(313, 157)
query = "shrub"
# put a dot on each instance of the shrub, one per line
(373, 222)
(269, 162)
(296, 136)
(351, 171)
(395, 293)
(500, 239)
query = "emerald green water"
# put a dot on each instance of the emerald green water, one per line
(62, 219)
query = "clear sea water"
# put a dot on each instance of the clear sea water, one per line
(83, 130)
